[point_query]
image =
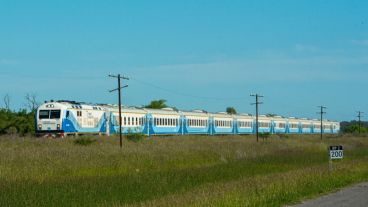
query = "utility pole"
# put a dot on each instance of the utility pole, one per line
(360, 116)
(257, 103)
(321, 113)
(119, 77)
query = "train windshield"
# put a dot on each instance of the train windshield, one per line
(49, 114)
(44, 114)
(55, 114)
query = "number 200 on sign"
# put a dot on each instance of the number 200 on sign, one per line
(336, 154)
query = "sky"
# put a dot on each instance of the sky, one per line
(196, 54)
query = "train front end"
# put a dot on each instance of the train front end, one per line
(48, 119)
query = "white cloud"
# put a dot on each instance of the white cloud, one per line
(8, 62)
(279, 68)
(360, 42)
(306, 48)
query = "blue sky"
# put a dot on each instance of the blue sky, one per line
(196, 54)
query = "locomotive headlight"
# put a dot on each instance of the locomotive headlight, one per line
(58, 126)
(39, 126)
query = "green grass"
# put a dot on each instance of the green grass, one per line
(176, 170)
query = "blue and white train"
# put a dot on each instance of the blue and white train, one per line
(67, 117)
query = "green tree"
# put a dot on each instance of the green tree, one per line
(157, 104)
(230, 110)
(354, 128)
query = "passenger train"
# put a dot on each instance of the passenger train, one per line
(68, 117)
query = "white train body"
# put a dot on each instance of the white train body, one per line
(65, 117)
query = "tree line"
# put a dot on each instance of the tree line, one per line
(19, 122)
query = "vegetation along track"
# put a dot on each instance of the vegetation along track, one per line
(180, 171)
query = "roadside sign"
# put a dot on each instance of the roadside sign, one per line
(336, 152)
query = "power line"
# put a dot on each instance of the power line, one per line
(119, 98)
(257, 103)
(360, 116)
(321, 113)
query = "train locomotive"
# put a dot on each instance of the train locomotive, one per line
(61, 118)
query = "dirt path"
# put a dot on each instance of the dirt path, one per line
(356, 196)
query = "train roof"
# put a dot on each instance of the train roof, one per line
(172, 111)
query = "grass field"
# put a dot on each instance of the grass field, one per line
(176, 171)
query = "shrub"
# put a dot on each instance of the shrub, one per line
(84, 141)
(264, 135)
(134, 136)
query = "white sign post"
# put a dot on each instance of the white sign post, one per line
(335, 152)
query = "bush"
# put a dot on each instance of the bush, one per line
(84, 141)
(12, 131)
(134, 136)
(264, 135)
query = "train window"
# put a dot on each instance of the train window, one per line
(44, 114)
(136, 121)
(128, 120)
(55, 114)
(125, 121)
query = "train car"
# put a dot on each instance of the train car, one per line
(64, 117)
(293, 125)
(316, 126)
(243, 123)
(133, 120)
(279, 125)
(163, 121)
(306, 126)
(196, 122)
(335, 127)
(265, 124)
(222, 123)
(327, 127)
